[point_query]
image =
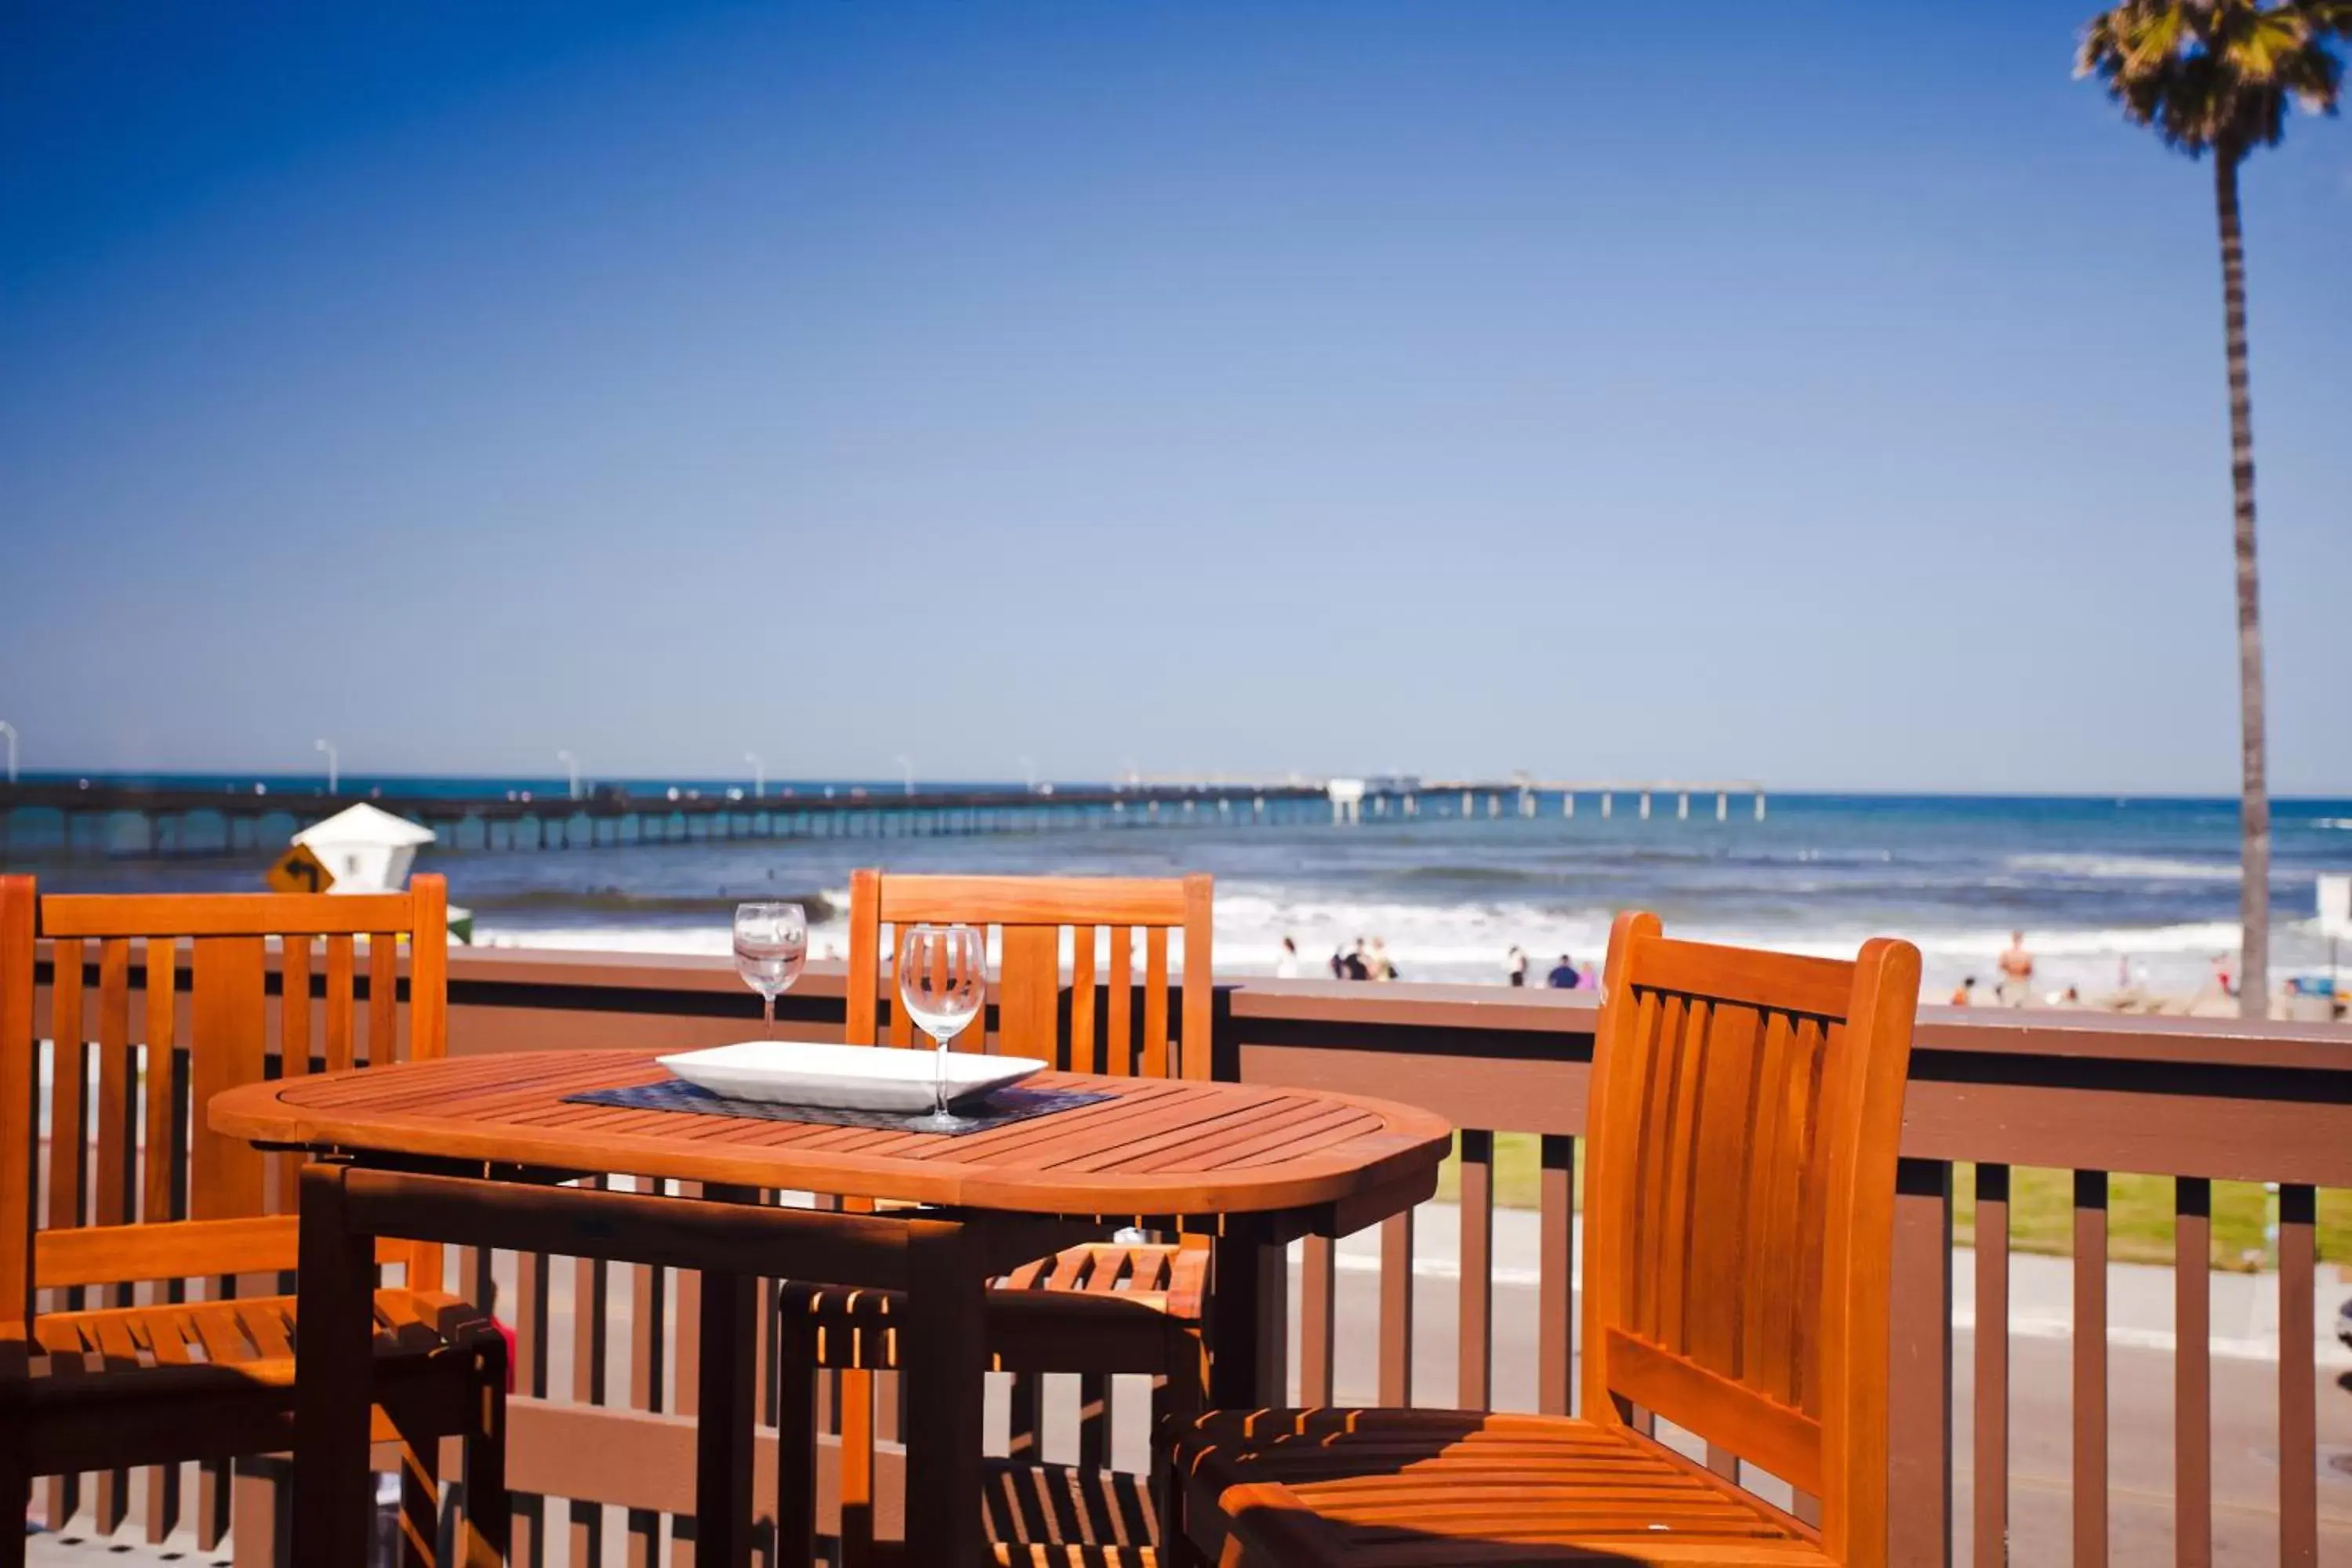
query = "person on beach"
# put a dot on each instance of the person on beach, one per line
(1357, 967)
(1287, 966)
(1563, 977)
(1383, 967)
(1339, 963)
(2016, 989)
(1965, 995)
(1515, 967)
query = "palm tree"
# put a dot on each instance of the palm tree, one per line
(2214, 75)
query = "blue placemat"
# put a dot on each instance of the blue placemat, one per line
(1000, 1107)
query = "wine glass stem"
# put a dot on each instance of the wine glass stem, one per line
(940, 1075)
(767, 1015)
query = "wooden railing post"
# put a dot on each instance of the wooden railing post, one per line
(1919, 1369)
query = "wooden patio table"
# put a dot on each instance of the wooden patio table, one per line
(471, 1151)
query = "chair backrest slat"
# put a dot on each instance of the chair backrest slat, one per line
(112, 1177)
(225, 1172)
(339, 989)
(1745, 1112)
(1028, 987)
(294, 1046)
(160, 1159)
(1032, 917)
(1119, 996)
(19, 1087)
(1199, 1006)
(1086, 1045)
(69, 1089)
(294, 1007)
(1155, 1004)
(383, 1004)
(139, 1159)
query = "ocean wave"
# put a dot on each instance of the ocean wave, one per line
(2149, 867)
(820, 907)
(1469, 942)
(1474, 875)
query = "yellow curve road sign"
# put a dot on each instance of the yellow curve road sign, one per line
(298, 872)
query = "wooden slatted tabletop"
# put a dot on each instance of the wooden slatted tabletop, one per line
(1156, 1147)
(1279, 1162)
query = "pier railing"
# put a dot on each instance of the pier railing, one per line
(50, 819)
(602, 1425)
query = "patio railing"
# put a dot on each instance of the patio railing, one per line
(2131, 1449)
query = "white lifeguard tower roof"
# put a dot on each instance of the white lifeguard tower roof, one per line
(364, 824)
(365, 849)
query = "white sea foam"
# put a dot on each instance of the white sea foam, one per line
(1468, 942)
(2124, 867)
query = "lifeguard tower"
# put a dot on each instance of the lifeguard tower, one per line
(365, 849)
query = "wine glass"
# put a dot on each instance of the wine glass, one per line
(771, 946)
(942, 980)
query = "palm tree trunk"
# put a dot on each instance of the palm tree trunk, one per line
(2254, 804)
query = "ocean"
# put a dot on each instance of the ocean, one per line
(2097, 885)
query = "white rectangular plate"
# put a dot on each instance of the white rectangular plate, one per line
(853, 1077)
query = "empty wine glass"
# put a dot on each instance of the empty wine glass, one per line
(942, 980)
(771, 946)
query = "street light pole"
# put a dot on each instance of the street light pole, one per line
(909, 768)
(10, 730)
(572, 763)
(759, 775)
(334, 766)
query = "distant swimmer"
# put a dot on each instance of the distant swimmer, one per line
(1287, 966)
(1965, 994)
(1515, 967)
(1356, 966)
(2016, 987)
(1563, 977)
(1382, 967)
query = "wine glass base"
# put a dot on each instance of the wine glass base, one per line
(942, 1121)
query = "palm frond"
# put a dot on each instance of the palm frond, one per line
(2217, 74)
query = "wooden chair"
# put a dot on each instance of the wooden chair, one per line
(1739, 1196)
(1094, 1309)
(138, 1190)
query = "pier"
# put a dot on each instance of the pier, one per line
(133, 821)
(1352, 800)
(40, 818)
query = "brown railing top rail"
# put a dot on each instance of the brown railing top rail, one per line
(2219, 1098)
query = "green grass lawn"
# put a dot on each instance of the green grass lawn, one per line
(2040, 1209)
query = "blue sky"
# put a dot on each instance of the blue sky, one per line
(1604, 391)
